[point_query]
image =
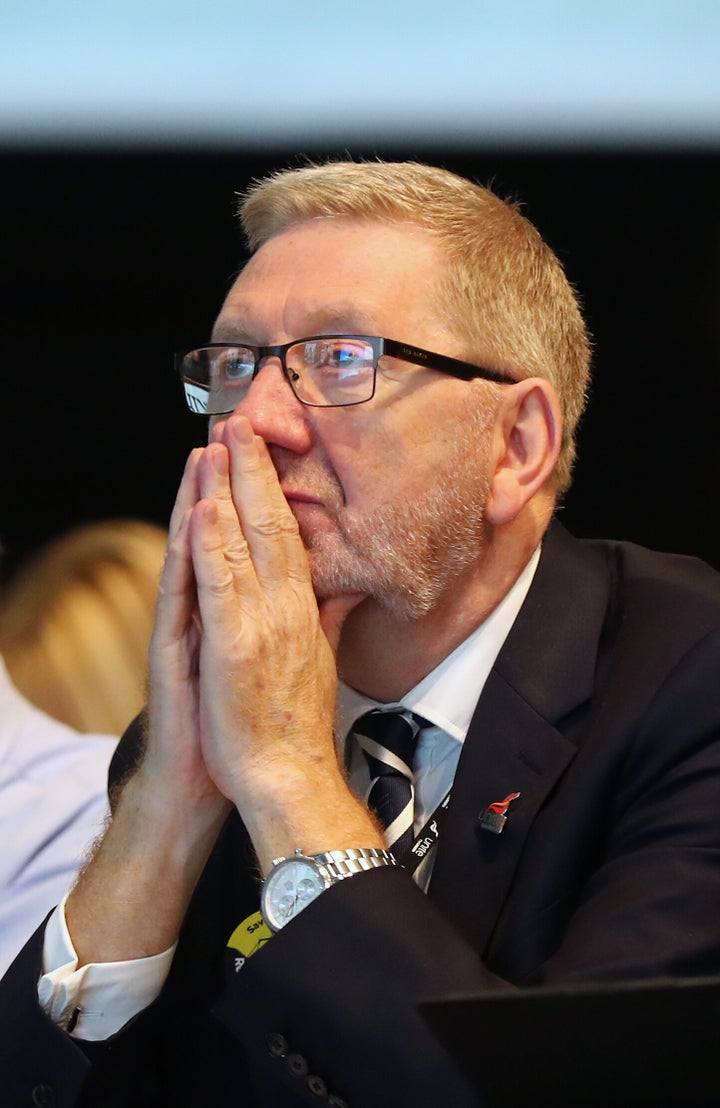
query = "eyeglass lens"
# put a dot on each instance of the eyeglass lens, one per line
(323, 372)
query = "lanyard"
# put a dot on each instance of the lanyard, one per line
(426, 838)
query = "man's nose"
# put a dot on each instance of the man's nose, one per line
(274, 411)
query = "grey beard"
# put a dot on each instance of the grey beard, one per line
(406, 552)
(404, 555)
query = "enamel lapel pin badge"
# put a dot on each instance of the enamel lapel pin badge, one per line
(494, 817)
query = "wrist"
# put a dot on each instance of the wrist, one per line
(322, 815)
(130, 900)
(295, 881)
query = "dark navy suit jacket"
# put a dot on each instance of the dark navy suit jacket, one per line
(603, 712)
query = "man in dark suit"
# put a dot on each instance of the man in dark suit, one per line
(393, 388)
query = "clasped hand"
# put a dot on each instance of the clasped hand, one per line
(243, 676)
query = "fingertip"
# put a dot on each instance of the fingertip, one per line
(334, 612)
(193, 459)
(203, 525)
(217, 431)
(240, 430)
(187, 492)
(343, 604)
(218, 456)
(177, 537)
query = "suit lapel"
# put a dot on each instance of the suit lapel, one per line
(516, 741)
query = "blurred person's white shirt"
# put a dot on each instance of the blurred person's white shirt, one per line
(53, 804)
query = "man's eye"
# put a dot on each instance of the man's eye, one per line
(236, 367)
(341, 356)
(344, 357)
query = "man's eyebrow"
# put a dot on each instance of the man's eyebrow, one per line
(340, 318)
(230, 330)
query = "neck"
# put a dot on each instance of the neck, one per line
(383, 656)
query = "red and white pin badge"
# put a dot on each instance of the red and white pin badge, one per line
(494, 817)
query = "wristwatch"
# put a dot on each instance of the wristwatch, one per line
(295, 882)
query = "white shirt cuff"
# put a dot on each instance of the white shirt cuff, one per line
(96, 1001)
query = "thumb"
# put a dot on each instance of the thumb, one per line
(333, 614)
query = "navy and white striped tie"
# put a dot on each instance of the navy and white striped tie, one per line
(388, 741)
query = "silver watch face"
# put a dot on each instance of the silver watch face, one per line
(289, 888)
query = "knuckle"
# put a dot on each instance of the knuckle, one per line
(220, 587)
(273, 526)
(237, 556)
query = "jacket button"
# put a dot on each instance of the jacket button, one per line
(316, 1085)
(337, 1102)
(297, 1065)
(277, 1045)
(43, 1096)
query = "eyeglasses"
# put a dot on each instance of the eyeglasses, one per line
(324, 371)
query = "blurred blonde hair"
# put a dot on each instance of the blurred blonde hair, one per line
(75, 623)
(504, 292)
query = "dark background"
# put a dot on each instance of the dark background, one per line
(112, 259)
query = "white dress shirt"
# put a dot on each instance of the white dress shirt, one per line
(53, 802)
(103, 997)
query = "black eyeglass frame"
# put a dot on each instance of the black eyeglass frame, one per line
(415, 355)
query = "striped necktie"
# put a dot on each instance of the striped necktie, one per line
(388, 739)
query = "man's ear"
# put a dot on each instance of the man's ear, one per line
(526, 444)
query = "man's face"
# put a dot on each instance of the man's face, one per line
(389, 495)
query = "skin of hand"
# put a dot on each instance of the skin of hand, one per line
(131, 898)
(267, 670)
(173, 707)
(242, 696)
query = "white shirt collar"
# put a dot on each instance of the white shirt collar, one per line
(448, 695)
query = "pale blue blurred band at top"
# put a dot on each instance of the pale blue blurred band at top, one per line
(278, 71)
